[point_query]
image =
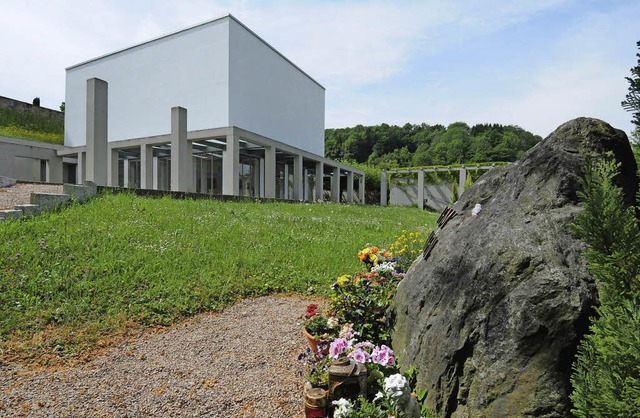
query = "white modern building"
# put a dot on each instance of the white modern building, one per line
(210, 109)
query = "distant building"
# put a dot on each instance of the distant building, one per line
(210, 109)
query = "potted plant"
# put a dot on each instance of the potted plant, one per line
(318, 327)
(316, 366)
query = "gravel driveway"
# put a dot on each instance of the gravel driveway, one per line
(238, 363)
(20, 193)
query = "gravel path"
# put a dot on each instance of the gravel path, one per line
(20, 193)
(238, 363)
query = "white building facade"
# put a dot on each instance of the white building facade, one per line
(209, 109)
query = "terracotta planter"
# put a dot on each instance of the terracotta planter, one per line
(313, 342)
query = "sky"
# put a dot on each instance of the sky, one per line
(531, 63)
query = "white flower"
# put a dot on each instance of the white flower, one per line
(332, 322)
(476, 209)
(344, 408)
(396, 385)
(386, 267)
(379, 395)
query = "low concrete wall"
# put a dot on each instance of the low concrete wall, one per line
(80, 193)
(436, 196)
(49, 200)
(21, 160)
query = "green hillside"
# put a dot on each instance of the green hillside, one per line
(34, 126)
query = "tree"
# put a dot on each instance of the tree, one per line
(631, 103)
(606, 378)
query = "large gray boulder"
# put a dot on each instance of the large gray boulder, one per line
(493, 316)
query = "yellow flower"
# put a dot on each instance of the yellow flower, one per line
(343, 280)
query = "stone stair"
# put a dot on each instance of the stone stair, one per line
(41, 202)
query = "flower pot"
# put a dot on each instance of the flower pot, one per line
(313, 342)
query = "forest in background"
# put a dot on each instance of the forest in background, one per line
(390, 146)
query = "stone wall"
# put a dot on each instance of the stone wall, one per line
(6, 102)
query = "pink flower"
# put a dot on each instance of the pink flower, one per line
(365, 344)
(338, 346)
(383, 356)
(359, 355)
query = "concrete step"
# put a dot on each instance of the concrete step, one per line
(10, 214)
(49, 200)
(29, 209)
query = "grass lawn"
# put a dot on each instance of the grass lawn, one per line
(70, 279)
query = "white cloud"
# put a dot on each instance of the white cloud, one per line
(374, 57)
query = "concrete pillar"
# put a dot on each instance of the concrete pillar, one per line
(350, 187)
(383, 188)
(231, 166)
(285, 190)
(299, 176)
(335, 185)
(361, 189)
(306, 194)
(181, 152)
(112, 168)
(47, 171)
(421, 190)
(146, 166)
(270, 172)
(155, 183)
(97, 102)
(461, 181)
(319, 189)
(204, 166)
(125, 173)
(80, 170)
(258, 178)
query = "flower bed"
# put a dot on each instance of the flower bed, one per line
(350, 355)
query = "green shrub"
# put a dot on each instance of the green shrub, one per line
(606, 379)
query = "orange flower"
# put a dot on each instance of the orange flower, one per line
(386, 254)
(375, 250)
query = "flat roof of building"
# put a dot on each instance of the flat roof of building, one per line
(208, 22)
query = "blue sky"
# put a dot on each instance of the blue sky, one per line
(532, 63)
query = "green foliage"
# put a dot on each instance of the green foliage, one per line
(468, 182)
(372, 176)
(611, 231)
(606, 378)
(122, 258)
(363, 301)
(31, 125)
(407, 247)
(390, 146)
(631, 103)
(454, 192)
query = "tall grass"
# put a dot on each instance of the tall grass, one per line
(70, 277)
(31, 125)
